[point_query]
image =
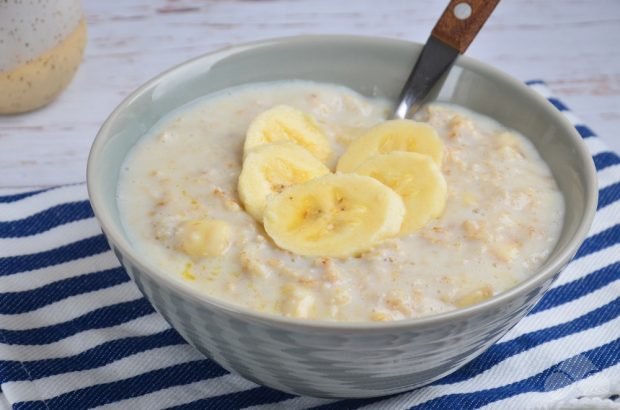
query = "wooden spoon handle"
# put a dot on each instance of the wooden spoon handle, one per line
(461, 21)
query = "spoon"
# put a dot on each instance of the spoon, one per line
(453, 33)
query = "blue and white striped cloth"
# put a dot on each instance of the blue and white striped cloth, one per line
(76, 333)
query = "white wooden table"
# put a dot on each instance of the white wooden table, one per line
(571, 44)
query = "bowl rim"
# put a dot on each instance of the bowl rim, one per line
(116, 236)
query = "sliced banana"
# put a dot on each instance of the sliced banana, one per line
(270, 168)
(284, 123)
(416, 178)
(393, 135)
(204, 237)
(334, 215)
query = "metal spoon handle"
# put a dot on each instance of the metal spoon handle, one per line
(455, 30)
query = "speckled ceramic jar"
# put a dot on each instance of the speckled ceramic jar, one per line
(332, 359)
(41, 47)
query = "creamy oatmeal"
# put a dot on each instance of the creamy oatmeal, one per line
(502, 216)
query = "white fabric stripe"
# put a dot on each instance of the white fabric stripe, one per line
(541, 89)
(124, 368)
(82, 341)
(23, 208)
(602, 384)
(596, 146)
(570, 116)
(583, 266)
(53, 238)
(608, 176)
(605, 218)
(40, 277)
(4, 404)
(71, 307)
(298, 403)
(177, 395)
(564, 313)
(587, 403)
(518, 367)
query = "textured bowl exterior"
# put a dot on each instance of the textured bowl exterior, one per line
(337, 362)
(321, 358)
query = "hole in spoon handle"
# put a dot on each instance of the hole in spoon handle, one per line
(461, 21)
(462, 11)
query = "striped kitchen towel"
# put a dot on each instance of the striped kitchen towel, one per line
(76, 333)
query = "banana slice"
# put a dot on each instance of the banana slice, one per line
(334, 215)
(204, 237)
(416, 178)
(270, 168)
(393, 135)
(284, 123)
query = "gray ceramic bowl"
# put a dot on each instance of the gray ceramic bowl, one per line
(323, 358)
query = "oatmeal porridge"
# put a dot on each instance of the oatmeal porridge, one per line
(229, 194)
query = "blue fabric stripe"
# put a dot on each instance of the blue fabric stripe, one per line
(246, 398)
(46, 220)
(5, 199)
(26, 301)
(504, 350)
(578, 288)
(600, 241)
(76, 250)
(605, 159)
(98, 356)
(558, 104)
(140, 385)
(97, 319)
(584, 131)
(600, 358)
(608, 195)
